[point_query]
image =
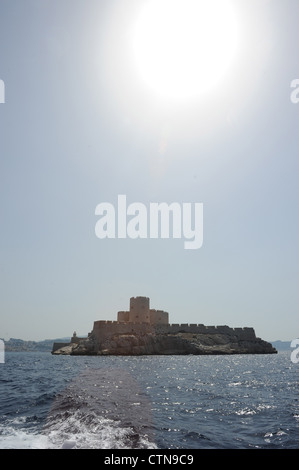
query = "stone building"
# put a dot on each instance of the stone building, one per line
(142, 330)
(140, 312)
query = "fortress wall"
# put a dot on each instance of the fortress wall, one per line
(159, 317)
(162, 329)
(186, 328)
(106, 329)
(140, 319)
(123, 316)
(245, 333)
(241, 333)
(175, 328)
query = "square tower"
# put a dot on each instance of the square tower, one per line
(139, 310)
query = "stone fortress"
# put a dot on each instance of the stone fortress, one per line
(141, 319)
(140, 312)
(142, 330)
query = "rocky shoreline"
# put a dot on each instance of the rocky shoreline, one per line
(166, 344)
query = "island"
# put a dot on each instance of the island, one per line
(145, 331)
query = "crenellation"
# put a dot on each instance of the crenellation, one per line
(140, 319)
(142, 330)
(245, 333)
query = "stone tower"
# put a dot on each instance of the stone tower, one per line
(139, 310)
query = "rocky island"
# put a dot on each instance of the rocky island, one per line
(145, 331)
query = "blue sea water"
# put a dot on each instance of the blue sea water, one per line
(149, 402)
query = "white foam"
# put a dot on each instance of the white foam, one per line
(92, 432)
(77, 431)
(13, 438)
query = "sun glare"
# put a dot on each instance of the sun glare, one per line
(183, 48)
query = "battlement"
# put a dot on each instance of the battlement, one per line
(141, 320)
(203, 329)
(140, 312)
(103, 329)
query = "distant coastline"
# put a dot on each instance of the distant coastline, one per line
(19, 345)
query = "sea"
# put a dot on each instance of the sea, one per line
(149, 402)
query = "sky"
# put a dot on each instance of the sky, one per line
(87, 117)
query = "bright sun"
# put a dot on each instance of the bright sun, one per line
(183, 48)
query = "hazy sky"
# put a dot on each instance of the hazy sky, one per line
(80, 125)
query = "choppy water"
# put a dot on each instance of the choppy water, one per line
(163, 402)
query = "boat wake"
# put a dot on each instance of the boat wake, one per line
(101, 409)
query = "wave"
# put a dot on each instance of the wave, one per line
(100, 409)
(81, 430)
